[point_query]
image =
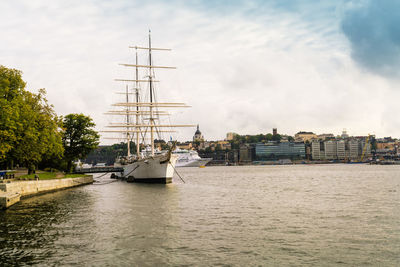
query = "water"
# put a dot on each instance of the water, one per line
(320, 215)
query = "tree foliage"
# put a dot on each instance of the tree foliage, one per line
(30, 131)
(79, 137)
(11, 87)
(108, 154)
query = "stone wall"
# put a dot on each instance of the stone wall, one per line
(29, 188)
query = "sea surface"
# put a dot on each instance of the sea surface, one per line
(298, 215)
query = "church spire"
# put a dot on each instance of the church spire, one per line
(197, 135)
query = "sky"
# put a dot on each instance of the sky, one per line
(243, 66)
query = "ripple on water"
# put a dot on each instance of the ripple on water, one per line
(325, 215)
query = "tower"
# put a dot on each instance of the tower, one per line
(197, 135)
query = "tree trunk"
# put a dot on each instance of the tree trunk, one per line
(69, 166)
(10, 164)
(31, 168)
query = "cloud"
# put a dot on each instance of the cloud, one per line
(373, 29)
(253, 66)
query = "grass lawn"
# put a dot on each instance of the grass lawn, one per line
(52, 175)
(74, 175)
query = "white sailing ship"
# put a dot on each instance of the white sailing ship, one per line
(141, 122)
(189, 158)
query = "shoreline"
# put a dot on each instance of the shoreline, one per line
(12, 192)
(270, 163)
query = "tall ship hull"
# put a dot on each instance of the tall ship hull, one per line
(157, 169)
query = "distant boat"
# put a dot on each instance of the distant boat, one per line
(81, 165)
(142, 123)
(190, 158)
(100, 164)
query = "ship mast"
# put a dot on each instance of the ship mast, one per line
(151, 99)
(137, 107)
(128, 141)
(150, 108)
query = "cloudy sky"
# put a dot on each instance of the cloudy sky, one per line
(244, 66)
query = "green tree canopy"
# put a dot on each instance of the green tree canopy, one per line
(11, 88)
(38, 132)
(30, 131)
(79, 137)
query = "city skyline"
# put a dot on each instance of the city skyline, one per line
(243, 66)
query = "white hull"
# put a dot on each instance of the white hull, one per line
(193, 163)
(157, 169)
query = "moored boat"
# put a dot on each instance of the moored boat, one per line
(142, 123)
(189, 158)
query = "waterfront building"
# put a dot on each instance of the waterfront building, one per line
(336, 149)
(316, 150)
(385, 145)
(330, 150)
(246, 153)
(280, 150)
(274, 131)
(341, 149)
(353, 149)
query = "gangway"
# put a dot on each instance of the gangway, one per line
(99, 170)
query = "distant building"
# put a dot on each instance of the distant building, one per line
(326, 136)
(224, 144)
(230, 136)
(353, 149)
(388, 145)
(316, 150)
(204, 145)
(344, 134)
(280, 150)
(274, 131)
(197, 135)
(330, 150)
(341, 149)
(186, 145)
(304, 136)
(246, 153)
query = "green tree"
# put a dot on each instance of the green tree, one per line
(268, 137)
(29, 129)
(11, 87)
(38, 131)
(79, 137)
(276, 137)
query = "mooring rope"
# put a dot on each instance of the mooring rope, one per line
(103, 175)
(177, 172)
(105, 183)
